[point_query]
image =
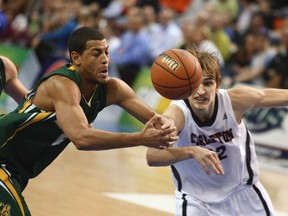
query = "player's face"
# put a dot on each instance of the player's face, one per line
(203, 99)
(95, 61)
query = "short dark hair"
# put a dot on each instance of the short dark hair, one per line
(79, 37)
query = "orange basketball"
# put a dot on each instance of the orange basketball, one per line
(175, 74)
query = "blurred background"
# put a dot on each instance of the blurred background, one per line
(250, 38)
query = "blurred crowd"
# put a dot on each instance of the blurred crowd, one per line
(250, 37)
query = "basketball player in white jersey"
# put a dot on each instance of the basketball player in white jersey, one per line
(214, 164)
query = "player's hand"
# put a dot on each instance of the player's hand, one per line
(157, 136)
(208, 160)
(163, 122)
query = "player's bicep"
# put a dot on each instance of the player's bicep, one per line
(65, 97)
(121, 94)
(71, 119)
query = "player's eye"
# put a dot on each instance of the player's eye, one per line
(208, 83)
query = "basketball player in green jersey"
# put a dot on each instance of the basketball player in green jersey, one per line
(9, 82)
(59, 110)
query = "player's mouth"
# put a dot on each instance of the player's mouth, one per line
(200, 99)
(103, 74)
(105, 70)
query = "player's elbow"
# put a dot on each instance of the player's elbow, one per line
(80, 145)
(151, 162)
(80, 141)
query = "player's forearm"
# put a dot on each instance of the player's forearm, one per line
(167, 157)
(273, 98)
(103, 140)
(140, 111)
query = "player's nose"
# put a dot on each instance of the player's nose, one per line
(200, 89)
(105, 59)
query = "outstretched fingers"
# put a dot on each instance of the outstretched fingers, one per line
(212, 162)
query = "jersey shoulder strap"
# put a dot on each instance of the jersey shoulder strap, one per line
(67, 70)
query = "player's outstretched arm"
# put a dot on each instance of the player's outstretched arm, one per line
(63, 96)
(256, 98)
(93, 139)
(167, 157)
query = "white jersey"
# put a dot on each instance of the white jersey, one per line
(230, 140)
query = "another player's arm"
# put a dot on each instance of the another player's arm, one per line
(172, 155)
(13, 87)
(121, 94)
(244, 98)
(62, 95)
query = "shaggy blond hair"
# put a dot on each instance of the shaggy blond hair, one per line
(209, 64)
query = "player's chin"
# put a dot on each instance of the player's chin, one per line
(103, 78)
(200, 103)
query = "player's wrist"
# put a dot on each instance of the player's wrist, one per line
(190, 151)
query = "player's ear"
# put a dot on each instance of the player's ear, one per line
(75, 58)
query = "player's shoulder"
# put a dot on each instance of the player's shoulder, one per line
(58, 83)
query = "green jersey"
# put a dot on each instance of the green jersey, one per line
(30, 138)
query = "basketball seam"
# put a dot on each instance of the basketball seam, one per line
(170, 87)
(187, 74)
(178, 96)
(158, 64)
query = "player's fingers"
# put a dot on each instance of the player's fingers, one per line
(216, 165)
(170, 131)
(155, 119)
(169, 134)
(172, 139)
(205, 167)
(219, 168)
(165, 125)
